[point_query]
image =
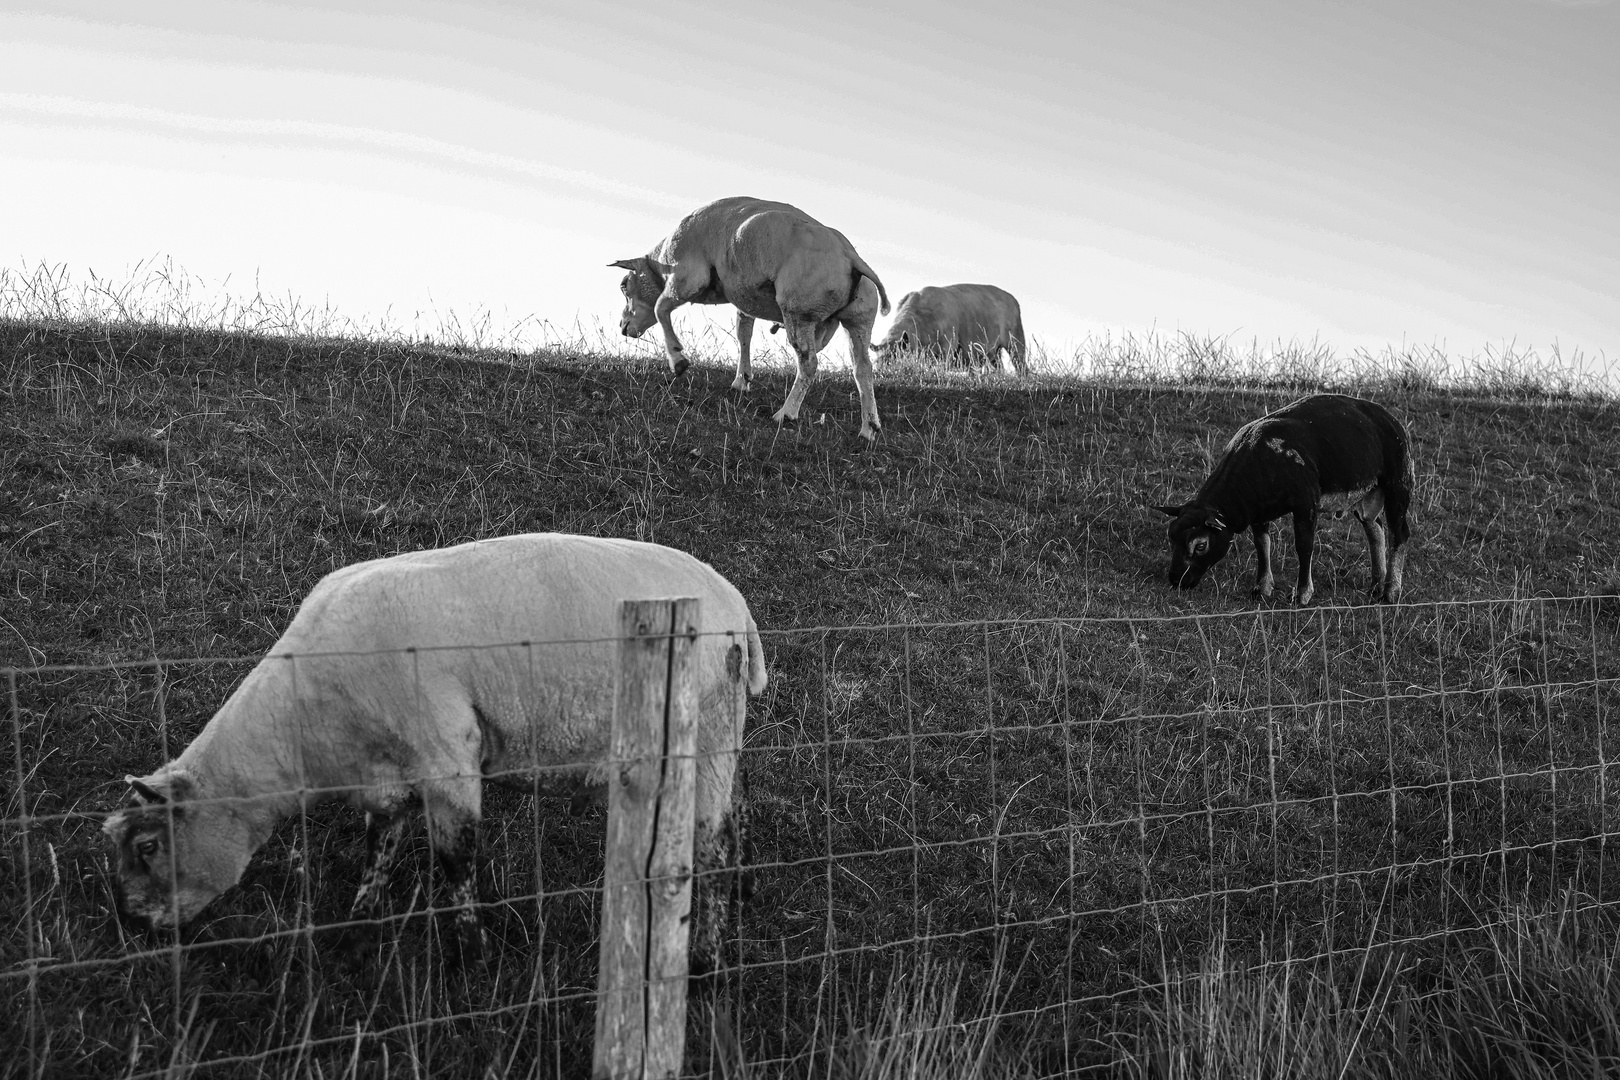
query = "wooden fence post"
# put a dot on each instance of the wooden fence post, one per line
(647, 871)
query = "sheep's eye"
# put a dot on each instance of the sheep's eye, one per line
(146, 846)
(1198, 546)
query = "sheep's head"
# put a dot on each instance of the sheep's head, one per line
(890, 345)
(904, 336)
(174, 854)
(1198, 540)
(641, 286)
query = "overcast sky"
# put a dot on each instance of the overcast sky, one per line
(1429, 171)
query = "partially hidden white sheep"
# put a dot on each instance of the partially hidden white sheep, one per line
(405, 682)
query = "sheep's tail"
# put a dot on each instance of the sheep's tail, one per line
(867, 272)
(756, 660)
(858, 265)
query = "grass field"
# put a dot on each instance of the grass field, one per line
(1002, 770)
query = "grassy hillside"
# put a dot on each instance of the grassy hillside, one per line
(1064, 809)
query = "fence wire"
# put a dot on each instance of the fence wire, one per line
(1059, 812)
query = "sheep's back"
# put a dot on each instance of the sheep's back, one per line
(516, 637)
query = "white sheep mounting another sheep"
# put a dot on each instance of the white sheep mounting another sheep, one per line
(405, 682)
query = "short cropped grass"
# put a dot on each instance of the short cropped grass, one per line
(1051, 810)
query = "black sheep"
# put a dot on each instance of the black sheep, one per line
(1283, 463)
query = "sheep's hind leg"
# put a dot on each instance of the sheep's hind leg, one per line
(857, 318)
(807, 339)
(789, 412)
(745, 343)
(720, 877)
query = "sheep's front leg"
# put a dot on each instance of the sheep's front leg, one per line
(1376, 547)
(454, 837)
(1304, 547)
(1397, 566)
(667, 303)
(383, 832)
(1367, 512)
(1263, 579)
(460, 866)
(383, 842)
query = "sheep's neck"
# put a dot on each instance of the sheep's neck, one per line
(251, 751)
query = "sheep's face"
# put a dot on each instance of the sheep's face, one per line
(894, 344)
(174, 856)
(1198, 540)
(903, 337)
(641, 286)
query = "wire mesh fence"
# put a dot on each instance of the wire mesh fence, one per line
(1062, 811)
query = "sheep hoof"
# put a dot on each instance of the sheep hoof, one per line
(357, 944)
(467, 945)
(747, 885)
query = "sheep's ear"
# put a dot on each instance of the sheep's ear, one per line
(627, 264)
(144, 791)
(1217, 524)
(1169, 511)
(169, 787)
(181, 787)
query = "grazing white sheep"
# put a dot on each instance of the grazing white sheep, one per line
(407, 681)
(771, 261)
(963, 325)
